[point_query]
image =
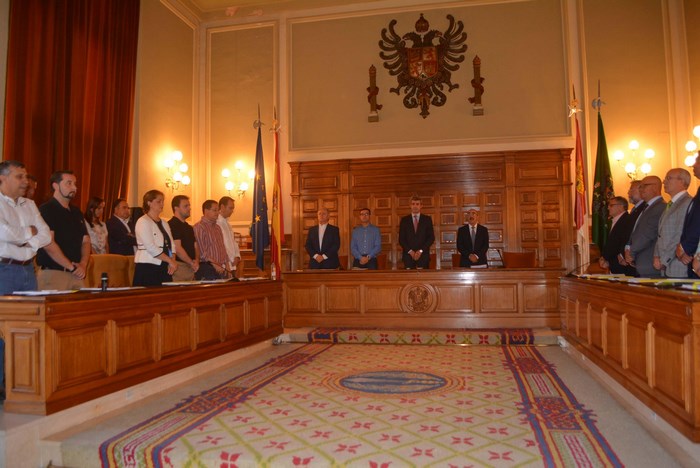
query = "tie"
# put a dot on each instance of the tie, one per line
(669, 204)
(415, 223)
(473, 232)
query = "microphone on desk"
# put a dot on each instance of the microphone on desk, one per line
(105, 281)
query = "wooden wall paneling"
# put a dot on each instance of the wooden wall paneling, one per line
(208, 325)
(234, 319)
(523, 196)
(134, 330)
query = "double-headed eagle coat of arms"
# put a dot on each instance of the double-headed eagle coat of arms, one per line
(425, 68)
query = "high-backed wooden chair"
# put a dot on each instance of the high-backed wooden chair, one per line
(120, 269)
(456, 258)
(519, 260)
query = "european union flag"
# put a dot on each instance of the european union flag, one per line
(259, 229)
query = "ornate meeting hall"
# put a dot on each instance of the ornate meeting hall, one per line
(423, 195)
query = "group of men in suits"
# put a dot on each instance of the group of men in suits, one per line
(416, 236)
(658, 238)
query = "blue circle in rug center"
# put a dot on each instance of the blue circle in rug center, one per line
(393, 382)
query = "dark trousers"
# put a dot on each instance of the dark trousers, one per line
(422, 262)
(148, 274)
(371, 265)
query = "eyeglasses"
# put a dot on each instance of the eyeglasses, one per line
(610, 205)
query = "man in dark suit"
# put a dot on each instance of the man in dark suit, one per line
(688, 246)
(120, 236)
(640, 249)
(472, 241)
(416, 236)
(323, 243)
(618, 236)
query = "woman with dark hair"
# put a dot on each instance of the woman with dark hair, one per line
(95, 227)
(155, 254)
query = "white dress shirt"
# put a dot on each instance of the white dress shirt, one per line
(232, 249)
(16, 219)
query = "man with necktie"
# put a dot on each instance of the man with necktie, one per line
(639, 251)
(688, 245)
(671, 224)
(323, 243)
(620, 230)
(472, 241)
(120, 236)
(416, 236)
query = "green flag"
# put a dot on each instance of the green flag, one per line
(602, 190)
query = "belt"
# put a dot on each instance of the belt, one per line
(55, 269)
(12, 261)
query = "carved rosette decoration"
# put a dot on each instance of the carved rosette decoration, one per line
(425, 68)
(418, 298)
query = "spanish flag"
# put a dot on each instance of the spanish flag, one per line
(277, 216)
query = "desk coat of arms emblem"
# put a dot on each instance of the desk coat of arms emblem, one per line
(425, 67)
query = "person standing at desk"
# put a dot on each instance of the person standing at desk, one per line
(183, 236)
(120, 236)
(155, 257)
(472, 241)
(671, 224)
(64, 261)
(620, 230)
(323, 243)
(639, 251)
(365, 243)
(416, 235)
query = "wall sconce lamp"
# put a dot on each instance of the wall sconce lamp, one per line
(632, 168)
(237, 184)
(692, 148)
(179, 178)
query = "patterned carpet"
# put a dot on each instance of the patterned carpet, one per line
(483, 336)
(375, 406)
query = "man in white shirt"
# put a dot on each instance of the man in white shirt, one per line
(22, 230)
(226, 207)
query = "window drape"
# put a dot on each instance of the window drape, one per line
(71, 71)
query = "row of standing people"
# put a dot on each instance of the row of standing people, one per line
(56, 236)
(657, 238)
(416, 236)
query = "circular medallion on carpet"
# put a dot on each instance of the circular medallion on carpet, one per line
(388, 383)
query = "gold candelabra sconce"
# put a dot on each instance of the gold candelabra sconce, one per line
(692, 148)
(632, 166)
(234, 181)
(177, 177)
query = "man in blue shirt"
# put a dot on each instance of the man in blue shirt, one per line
(366, 243)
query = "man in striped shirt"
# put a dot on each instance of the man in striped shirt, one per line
(213, 260)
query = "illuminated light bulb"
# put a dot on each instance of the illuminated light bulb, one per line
(634, 145)
(186, 180)
(169, 163)
(244, 186)
(630, 167)
(177, 177)
(691, 146)
(238, 166)
(228, 185)
(251, 174)
(649, 153)
(618, 155)
(177, 155)
(183, 167)
(696, 132)
(226, 173)
(646, 168)
(690, 160)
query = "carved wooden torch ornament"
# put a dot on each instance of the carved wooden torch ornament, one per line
(423, 69)
(372, 92)
(478, 88)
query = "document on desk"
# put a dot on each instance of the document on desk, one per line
(44, 292)
(120, 288)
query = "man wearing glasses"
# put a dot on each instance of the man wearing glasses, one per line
(620, 230)
(671, 225)
(639, 252)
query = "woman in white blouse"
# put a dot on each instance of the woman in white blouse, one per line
(95, 227)
(155, 254)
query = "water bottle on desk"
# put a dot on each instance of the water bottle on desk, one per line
(273, 272)
(105, 281)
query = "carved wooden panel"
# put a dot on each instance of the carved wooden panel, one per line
(88, 346)
(342, 299)
(613, 344)
(234, 319)
(21, 346)
(669, 356)
(455, 298)
(176, 332)
(208, 325)
(637, 346)
(448, 219)
(499, 298)
(595, 332)
(448, 200)
(257, 314)
(134, 331)
(539, 297)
